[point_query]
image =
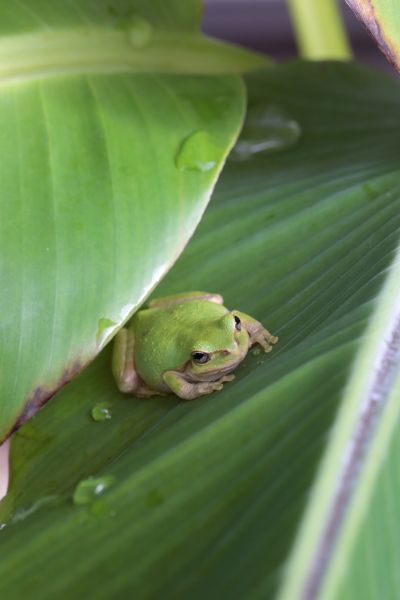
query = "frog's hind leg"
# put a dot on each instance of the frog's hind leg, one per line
(123, 366)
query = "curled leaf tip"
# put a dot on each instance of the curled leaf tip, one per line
(365, 10)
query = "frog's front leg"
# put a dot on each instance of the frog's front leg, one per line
(189, 390)
(257, 332)
(123, 366)
(185, 297)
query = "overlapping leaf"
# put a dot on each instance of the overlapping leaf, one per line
(382, 19)
(94, 205)
(209, 495)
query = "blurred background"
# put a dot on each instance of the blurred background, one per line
(264, 25)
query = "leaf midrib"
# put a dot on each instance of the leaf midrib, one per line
(102, 49)
(351, 459)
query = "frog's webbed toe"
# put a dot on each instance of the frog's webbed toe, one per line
(257, 332)
(264, 338)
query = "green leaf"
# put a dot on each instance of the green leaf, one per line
(382, 19)
(209, 495)
(52, 37)
(95, 204)
(371, 545)
(359, 447)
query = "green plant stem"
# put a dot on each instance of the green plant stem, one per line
(319, 29)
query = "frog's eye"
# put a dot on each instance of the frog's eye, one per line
(200, 357)
(238, 324)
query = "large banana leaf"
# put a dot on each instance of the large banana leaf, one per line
(206, 498)
(101, 183)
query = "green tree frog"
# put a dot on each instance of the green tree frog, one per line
(187, 344)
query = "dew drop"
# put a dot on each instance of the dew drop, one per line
(25, 512)
(88, 490)
(197, 153)
(266, 130)
(154, 498)
(3, 526)
(369, 191)
(101, 411)
(139, 32)
(100, 508)
(105, 330)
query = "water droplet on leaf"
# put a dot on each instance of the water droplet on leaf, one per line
(154, 498)
(101, 411)
(88, 490)
(266, 130)
(139, 32)
(100, 508)
(197, 153)
(369, 191)
(29, 431)
(25, 512)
